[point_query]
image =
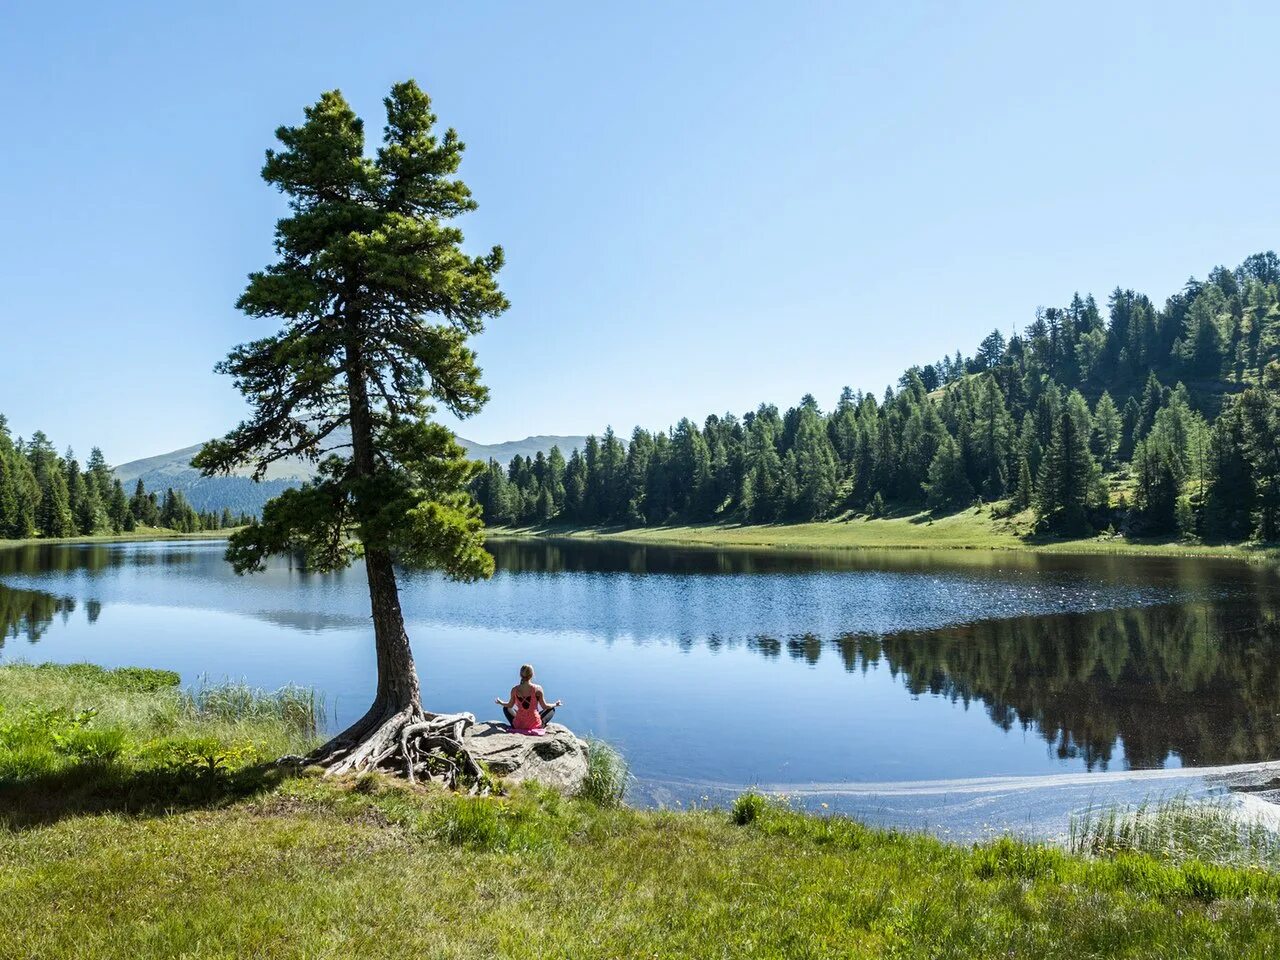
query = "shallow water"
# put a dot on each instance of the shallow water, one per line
(835, 676)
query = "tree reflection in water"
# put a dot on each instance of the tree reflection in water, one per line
(1195, 683)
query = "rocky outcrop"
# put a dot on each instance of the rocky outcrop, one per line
(557, 759)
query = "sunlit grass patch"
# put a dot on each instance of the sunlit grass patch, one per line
(142, 824)
(80, 738)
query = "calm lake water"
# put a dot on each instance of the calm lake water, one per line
(853, 677)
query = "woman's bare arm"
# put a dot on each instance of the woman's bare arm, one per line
(510, 699)
(543, 700)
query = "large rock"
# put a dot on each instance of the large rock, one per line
(556, 759)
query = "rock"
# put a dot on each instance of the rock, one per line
(557, 759)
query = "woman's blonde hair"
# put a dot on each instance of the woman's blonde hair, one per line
(526, 671)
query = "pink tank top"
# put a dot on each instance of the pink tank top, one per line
(527, 716)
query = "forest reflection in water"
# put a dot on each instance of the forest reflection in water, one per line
(1194, 682)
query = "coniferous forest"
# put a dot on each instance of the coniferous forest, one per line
(1148, 420)
(43, 494)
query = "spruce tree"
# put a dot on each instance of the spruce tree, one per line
(118, 509)
(817, 470)
(991, 429)
(1229, 500)
(1260, 411)
(947, 486)
(1107, 430)
(1067, 481)
(1024, 493)
(1158, 485)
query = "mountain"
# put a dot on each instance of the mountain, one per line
(239, 492)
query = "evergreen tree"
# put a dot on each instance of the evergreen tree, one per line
(1260, 412)
(121, 519)
(555, 478)
(817, 469)
(761, 495)
(992, 428)
(1158, 474)
(639, 455)
(1066, 487)
(377, 302)
(1024, 494)
(1107, 430)
(947, 486)
(1229, 506)
(53, 507)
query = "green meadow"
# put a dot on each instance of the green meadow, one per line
(141, 820)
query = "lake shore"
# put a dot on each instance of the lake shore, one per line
(974, 529)
(134, 536)
(145, 801)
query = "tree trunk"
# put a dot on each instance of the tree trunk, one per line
(382, 736)
(397, 676)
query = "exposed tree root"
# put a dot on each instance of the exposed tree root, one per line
(411, 743)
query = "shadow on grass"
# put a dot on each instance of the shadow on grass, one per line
(91, 787)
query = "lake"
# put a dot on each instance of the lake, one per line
(964, 691)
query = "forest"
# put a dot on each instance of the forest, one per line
(43, 494)
(1147, 421)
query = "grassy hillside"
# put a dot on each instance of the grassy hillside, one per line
(244, 863)
(240, 492)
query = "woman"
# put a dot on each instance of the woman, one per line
(526, 709)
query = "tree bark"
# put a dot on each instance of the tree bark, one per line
(398, 701)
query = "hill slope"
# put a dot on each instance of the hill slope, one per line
(240, 493)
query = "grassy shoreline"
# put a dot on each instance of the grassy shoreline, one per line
(157, 852)
(975, 529)
(145, 533)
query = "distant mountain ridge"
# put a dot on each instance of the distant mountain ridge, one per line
(239, 493)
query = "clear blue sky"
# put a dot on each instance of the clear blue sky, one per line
(704, 206)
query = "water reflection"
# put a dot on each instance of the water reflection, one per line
(27, 614)
(1110, 662)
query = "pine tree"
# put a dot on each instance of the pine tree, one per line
(947, 486)
(1260, 412)
(639, 454)
(1067, 484)
(1228, 508)
(1107, 430)
(1158, 475)
(1024, 494)
(53, 505)
(9, 514)
(817, 470)
(118, 509)
(377, 302)
(991, 430)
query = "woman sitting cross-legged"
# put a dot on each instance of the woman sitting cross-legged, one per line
(527, 709)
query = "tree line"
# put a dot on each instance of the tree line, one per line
(44, 494)
(1151, 421)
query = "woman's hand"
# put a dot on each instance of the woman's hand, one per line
(499, 701)
(558, 703)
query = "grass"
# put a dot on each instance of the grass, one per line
(371, 867)
(976, 528)
(141, 533)
(79, 739)
(1178, 831)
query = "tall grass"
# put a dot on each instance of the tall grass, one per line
(300, 709)
(1178, 830)
(607, 775)
(80, 738)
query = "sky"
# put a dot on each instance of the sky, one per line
(704, 206)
